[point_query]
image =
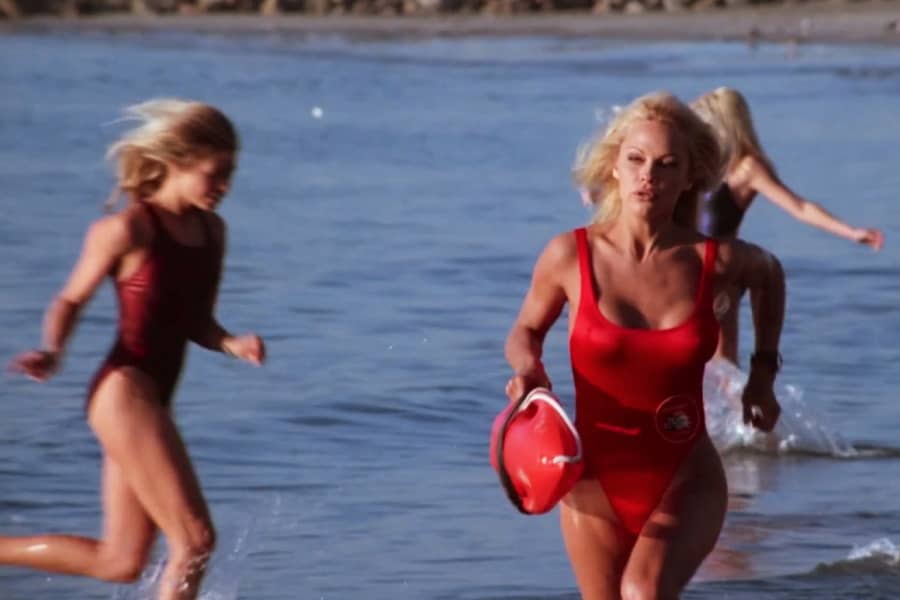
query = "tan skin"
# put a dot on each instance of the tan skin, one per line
(148, 481)
(647, 268)
(751, 177)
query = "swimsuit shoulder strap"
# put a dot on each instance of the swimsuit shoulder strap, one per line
(587, 296)
(159, 231)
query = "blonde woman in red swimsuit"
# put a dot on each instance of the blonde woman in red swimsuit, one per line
(164, 254)
(639, 283)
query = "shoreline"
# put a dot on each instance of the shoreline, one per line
(871, 22)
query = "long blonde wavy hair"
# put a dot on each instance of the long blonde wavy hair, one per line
(171, 132)
(727, 112)
(594, 165)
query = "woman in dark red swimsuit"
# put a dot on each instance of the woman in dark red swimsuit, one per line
(639, 282)
(164, 252)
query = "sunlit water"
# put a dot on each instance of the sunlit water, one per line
(390, 202)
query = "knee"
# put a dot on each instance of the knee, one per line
(646, 588)
(206, 540)
(122, 567)
(197, 546)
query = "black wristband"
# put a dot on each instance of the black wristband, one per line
(771, 360)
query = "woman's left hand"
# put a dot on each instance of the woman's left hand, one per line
(248, 347)
(761, 408)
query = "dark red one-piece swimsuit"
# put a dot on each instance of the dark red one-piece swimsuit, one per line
(639, 393)
(161, 306)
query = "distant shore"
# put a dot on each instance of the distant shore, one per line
(869, 21)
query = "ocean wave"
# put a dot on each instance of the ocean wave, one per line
(879, 557)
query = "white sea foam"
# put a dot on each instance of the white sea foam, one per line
(880, 557)
(881, 549)
(799, 429)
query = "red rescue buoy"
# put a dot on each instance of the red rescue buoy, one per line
(536, 452)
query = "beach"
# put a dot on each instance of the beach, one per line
(868, 22)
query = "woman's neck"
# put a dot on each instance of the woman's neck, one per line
(639, 238)
(168, 201)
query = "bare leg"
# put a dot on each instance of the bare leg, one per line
(119, 556)
(138, 434)
(682, 531)
(597, 545)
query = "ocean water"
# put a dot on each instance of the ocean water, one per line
(390, 201)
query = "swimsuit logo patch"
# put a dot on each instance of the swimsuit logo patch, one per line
(678, 419)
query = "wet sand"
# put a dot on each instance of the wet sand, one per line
(872, 22)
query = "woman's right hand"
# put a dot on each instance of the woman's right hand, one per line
(523, 382)
(761, 408)
(38, 365)
(248, 347)
(870, 237)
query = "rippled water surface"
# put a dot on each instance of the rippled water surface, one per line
(382, 244)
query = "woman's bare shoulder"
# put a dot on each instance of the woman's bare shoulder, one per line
(562, 245)
(752, 168)
(558, 256)
(736, 254)
(136, 221)
(120, 230)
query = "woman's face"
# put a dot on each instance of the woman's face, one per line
(651, 169)
(204, 182)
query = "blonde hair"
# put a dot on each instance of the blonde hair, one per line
(172, 132)
(727, 112)
(595, 163)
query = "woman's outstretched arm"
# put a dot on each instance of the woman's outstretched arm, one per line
(807, 211)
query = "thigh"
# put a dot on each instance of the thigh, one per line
(137, 434)
(684, 528)
(597, 545)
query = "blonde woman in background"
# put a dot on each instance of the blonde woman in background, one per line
(639, 282)
(164, 253)
(748, 172)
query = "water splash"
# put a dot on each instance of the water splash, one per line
(238, 535)
(146, 587)
(799, 429)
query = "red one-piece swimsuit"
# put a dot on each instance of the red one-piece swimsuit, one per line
(639, 393)
(161, 306)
